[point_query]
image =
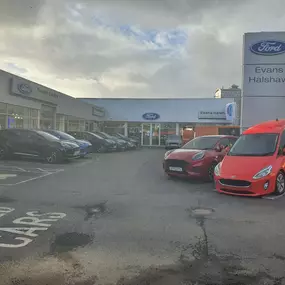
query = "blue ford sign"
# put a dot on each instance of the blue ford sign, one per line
(24, 88)
(151, 116)
(268, 47)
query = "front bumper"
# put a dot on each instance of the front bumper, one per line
(251, 188)
(71, 153)
(85, 150)
(194, 169)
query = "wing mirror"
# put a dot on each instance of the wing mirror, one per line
(218, 148)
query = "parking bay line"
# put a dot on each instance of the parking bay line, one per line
(33, 178)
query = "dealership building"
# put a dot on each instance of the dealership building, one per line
(25, 104)
(151, 120)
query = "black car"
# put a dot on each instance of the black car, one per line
(99, 144)
(134, 142)
(121, 144)
(35, 144)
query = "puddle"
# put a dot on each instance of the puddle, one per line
(6, 199)
(94, 211)
(69, 241)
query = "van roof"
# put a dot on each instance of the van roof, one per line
(276, 126)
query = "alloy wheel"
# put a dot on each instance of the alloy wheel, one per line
(51, 158)
(280, 183)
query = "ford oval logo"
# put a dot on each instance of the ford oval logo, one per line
(268, 47)
(24, 88)
(230, 110)
(151, 116)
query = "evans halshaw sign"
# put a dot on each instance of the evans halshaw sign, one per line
(150, 116)
(212, 115)
(268, 47)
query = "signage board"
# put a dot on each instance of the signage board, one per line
(98, 111)
(263, 76)
(214, 115)
(24, 88)
(230, 111)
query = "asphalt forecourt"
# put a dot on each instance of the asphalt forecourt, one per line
(120, 213)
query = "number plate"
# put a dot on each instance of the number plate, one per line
(77, 152)
(178, 169)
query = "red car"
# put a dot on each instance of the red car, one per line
(198, 158)
(255, 165)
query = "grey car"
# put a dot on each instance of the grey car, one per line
(173, 141)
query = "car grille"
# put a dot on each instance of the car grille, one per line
(176, 163)
(71, 151)
(235, 183)
(241, 192)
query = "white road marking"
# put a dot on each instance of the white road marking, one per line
(31, 231)
(5, 210)
(273, 197)
(5, 176)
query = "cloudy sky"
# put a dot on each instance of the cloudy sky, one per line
(131, 48)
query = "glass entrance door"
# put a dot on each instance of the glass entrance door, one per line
(146, 134)
(155, 134)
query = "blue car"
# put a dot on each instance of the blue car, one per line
(84, 146)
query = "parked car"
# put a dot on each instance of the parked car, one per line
(84, 146)
(121, 144)
(130, 144)
(173, 141)
(133, 141)
(197, 158)
(36, 144)
(99, 144)
(255, 165)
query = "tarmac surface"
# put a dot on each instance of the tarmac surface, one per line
(117, 219)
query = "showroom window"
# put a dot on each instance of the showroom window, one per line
(135, 130)
(60, 122)
(114, 127)
(76, 125)
(21, 117)
(165, 130)
(3, 115)
(47, 117)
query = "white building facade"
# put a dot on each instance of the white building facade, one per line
(152, 119)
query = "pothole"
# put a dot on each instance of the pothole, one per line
(201, 212)
(69, 241)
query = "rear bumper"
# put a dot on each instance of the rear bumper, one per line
(255, 189)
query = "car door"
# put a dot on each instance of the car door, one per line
(37, 144)
(14, 141)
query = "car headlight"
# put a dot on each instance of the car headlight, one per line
(263, 172)
(167, 154)
(198, 155)
(65, 144)
(217, 169)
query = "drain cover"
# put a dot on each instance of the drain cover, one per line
(202, 211)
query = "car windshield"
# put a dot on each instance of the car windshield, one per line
(48, 136)
(63, 136)
(202, 143)
(255, 145)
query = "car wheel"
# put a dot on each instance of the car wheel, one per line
(280, 183)
(211, 171)
(3, 152)
(52, 157)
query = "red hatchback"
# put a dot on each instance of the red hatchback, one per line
(255, 165)
(198, 158)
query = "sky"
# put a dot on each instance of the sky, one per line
(132, 48)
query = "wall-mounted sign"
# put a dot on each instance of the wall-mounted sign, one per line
(24, 88)
(268, 47)
(151, 116)
(212, 115)
(98, 111)
(230, 111)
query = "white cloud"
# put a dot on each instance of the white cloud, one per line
(79, 48)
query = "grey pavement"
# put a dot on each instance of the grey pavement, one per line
(117, 219)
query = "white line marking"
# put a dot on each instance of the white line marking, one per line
(31, 179)
(273, 197)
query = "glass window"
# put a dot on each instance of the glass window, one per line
(2, 122)
(15, 121)
(202, 143)
(47, 136)
(18, 111)
(3, 108)
(255, 145)
(166, 129)
(34, 113)
(62, 135)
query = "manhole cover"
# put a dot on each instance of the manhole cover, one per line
(202, 211)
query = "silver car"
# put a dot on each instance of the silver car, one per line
(173, 141)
